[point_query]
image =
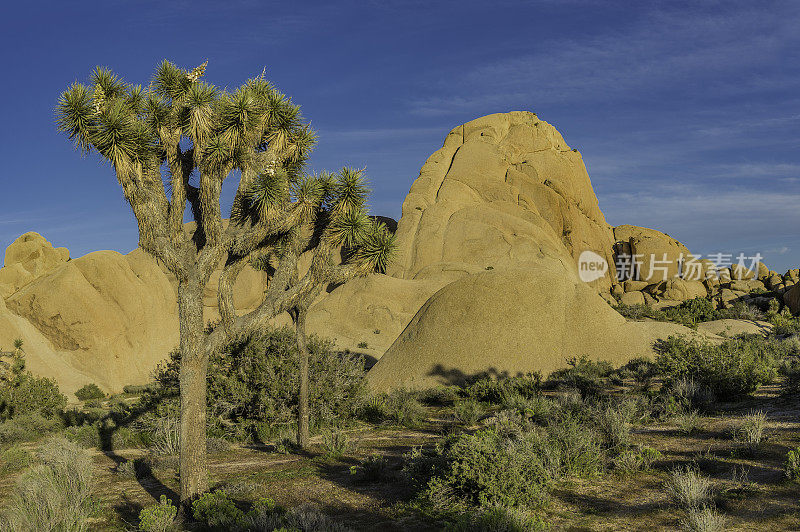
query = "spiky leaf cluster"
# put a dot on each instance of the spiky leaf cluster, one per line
(135, 128)
(333, 206)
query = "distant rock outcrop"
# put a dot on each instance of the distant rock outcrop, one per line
(505, 190)
(486, 279)
(511, 322)
(29, 257)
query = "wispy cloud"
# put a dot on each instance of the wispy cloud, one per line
(665, 50)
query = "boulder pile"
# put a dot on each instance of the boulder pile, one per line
(488, 278)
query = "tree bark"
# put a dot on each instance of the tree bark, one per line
(193, 369)
(302, 395)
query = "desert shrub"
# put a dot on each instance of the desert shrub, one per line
(689, 394)
(401, 406)
(573, 447)
(14, 459)
(493, 389)
(687, 422)
(538, 409)
(583, 374)
(734, 368)
(784, 325)
(158, 517)
(688, 488)
(509, 463)
(640, 369)
(90, 391)
(705, 519)
(790, 371)
(751, 429)
(335, 442)
(54, 495)
(792, 465)
(439, 395)
(633, 460)
(27, 427)
(613, 421)
(256, 381)
(217, 445)
(265, 515)
(692, 312)
(741, 310)
(136, 389)
(375, 467)
(308, 518)
(27, 394)
(105, 434)
(497, 519)
(482, 470)
(467, 411)
(217, 511)
(165, 435)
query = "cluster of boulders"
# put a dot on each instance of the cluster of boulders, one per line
(486, 278)
(653, 268)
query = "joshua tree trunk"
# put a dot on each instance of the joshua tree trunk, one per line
(193, 367)
(302, 395)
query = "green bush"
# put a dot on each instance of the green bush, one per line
(789, 369)
(509, 463)
(27, 427)
(483, 470)
(136, 389)
(692, 312)
(440, 395)
(784, 325)
(494, 389)
(158, 517)
(572, 445)
(14, 459)
(585, 375)
(792, 466)
(468, 411)
(54, 495)
(401, 407)
(335, 442)
(730, 370)
(90, 391)
(217, 511)
(256, 379)
(26, 394)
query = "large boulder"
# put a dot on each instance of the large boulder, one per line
(511, 322)
(505, 190)
(792, 299)
(27, 258)
(369, 311)
(114, 315)
(681, 289)
(657, 256)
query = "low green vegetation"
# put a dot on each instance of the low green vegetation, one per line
(89, 392)
(254, 384)
(729, 370)
(504, 446)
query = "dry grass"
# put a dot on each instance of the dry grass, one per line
(688, 488)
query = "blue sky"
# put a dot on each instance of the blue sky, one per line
(687, 113)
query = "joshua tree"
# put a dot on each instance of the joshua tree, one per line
(175, 142)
